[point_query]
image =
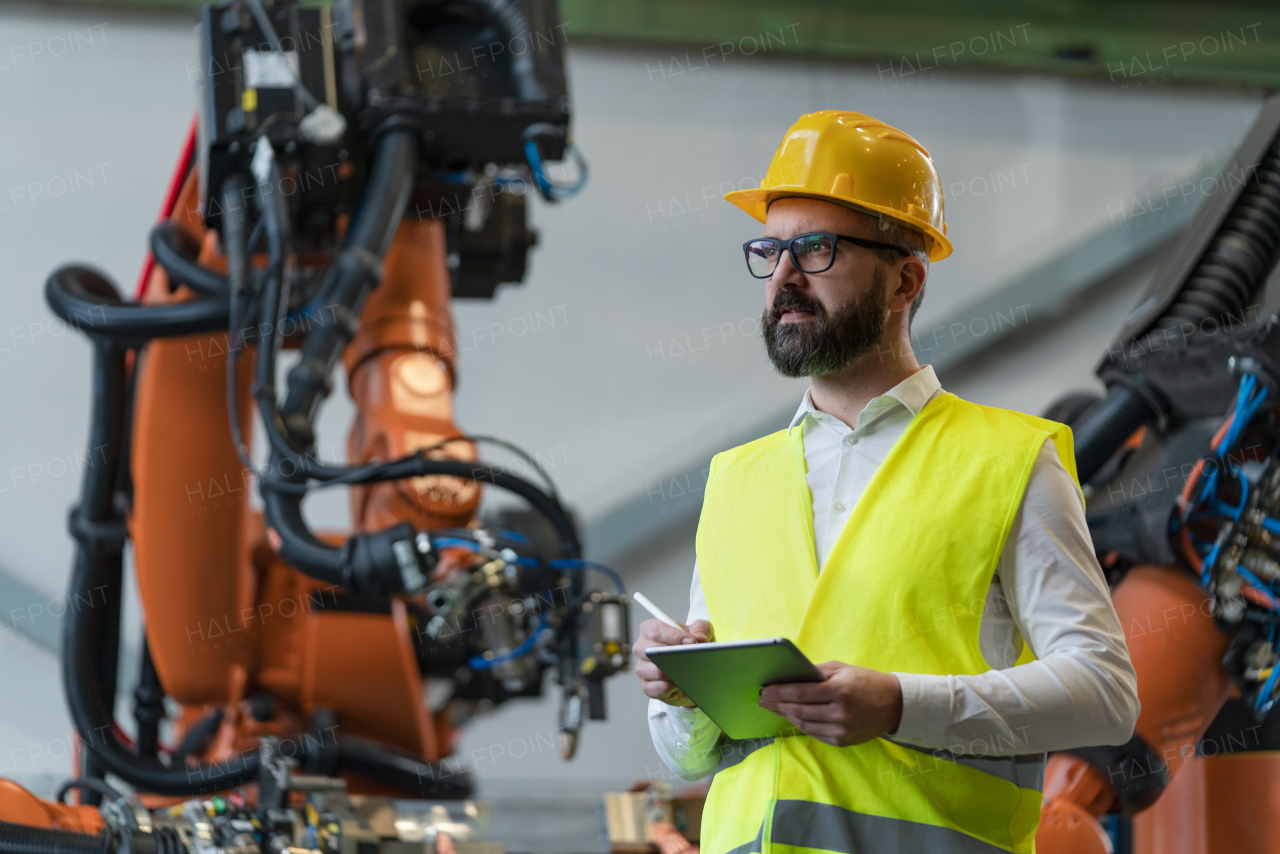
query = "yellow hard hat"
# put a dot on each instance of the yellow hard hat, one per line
(853, 159)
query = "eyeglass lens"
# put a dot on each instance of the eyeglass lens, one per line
(811, 253)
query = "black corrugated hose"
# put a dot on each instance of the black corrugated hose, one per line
(25, 839)
(176, 250)
(1219, 288)
(99, 537)
(87, 300)
(360, 565)
(408, 772)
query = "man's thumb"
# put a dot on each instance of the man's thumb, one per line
(701, 630)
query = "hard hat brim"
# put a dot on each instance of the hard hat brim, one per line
(756, 203)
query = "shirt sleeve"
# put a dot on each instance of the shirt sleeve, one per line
(686, 739)
(1081, 690)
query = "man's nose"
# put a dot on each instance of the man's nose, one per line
(785, 271)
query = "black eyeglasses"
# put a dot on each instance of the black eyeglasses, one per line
(811, 253)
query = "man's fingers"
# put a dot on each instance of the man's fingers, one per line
(809, 712)
(667, 693)
(656, 634)
(650, 672)
(797, 692)
(833, 734)
(662, 634)
(656, 688)
(676, 697)
(828, 732)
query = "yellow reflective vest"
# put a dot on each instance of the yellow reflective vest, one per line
(903, 588)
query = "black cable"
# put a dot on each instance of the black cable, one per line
(234, 189)
(198, 737)
(110, 583)
(1107, 428)
(512, 22)
(274, 213)
(148, 704)
(87, 300)
(24, 839)
(90, 783)
(510, 446)
(367, 564)
(401, 769)
(347, 475)
(255, 236)
(353, 274)
(176, 250)
(84, 683)
(422, 467)
(397, 469)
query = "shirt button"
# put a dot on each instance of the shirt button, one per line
(851, 439)
(839, 507)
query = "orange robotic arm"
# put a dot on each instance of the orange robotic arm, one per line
(255, 625)
(218, 636)
(1176, 652)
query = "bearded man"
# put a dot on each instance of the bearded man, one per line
(930, 551)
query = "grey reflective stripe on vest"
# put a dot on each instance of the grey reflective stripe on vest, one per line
(733, 751)
(1026, 771)
(834, 828)
(827, 826)
(756, 844)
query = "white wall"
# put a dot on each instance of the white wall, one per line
(639, 269)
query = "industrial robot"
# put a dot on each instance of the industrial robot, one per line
(353, 168)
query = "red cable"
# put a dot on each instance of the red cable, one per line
(1184, 500)
(170, 200)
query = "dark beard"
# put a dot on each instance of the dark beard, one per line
(824, 345)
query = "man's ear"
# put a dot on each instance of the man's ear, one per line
(911, 274)
(896, 279)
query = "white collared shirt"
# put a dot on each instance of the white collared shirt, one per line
(1049, 589)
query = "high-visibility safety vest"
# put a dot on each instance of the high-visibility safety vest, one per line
(903, 588)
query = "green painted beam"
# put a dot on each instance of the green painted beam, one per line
(1131, 44)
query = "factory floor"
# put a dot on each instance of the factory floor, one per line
(547, 822)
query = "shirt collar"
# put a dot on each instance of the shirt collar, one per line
(913, 393)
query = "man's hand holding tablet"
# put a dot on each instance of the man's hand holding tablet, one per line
(851, 705)
(656, 633)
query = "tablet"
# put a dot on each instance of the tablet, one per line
(725, 678)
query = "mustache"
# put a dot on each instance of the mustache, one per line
(787, 300)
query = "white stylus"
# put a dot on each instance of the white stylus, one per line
(655, 610)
